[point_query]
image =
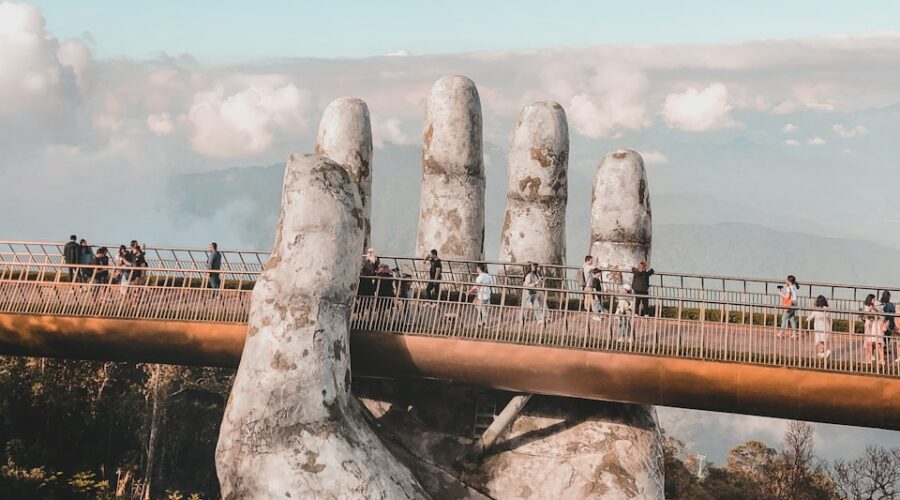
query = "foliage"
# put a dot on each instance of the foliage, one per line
(754, 470)
(76, 429)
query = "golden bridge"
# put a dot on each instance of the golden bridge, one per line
(709, 342)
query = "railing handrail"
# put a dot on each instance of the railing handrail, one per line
(662, 274)
(113, 267)
(444, 282)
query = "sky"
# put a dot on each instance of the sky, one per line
(786, 111)
(232, 30)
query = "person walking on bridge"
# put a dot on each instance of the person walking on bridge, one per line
(640, 284)
(214, 265)
(820, 321)
(482, 292)
(585, 279)
(789, 297)
(532, 298)
(435, 274)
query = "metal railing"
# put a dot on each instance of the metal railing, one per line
(663, 284)
(679, 327)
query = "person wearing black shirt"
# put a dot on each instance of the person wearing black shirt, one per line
(85, 257)
(384, 287)
(640, 285)
(70, 255)
(597, 286)
(101, 271)
(138, 260)
(435, 274)
(403, 287)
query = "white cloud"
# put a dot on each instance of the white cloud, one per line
(654, 158)
(699, 110)
(32, 78)
(816, 141)
(229, 124)
(76, 55)
(792, 142)
(398, 53)
(613, 100)
(789, 128)
(815, 96)
(390, 131)
(160, 124)
(849, 133)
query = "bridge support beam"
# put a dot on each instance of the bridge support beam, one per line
(500, 424)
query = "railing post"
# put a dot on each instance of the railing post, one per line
(703, 329)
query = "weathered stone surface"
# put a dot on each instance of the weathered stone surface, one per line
(291, 428)
(568, 448)
(558, 448)
(534, 229)
(621, 219)
(451, 213)
(345, 136)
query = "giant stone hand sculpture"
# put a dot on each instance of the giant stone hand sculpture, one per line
(291, 427)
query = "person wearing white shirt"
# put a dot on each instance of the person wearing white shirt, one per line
(789, 302)
(586, 278)
(532, 298)
(624, 311)
(482, 292)
(820, 321)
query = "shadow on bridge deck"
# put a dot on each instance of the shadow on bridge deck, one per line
(733, 387)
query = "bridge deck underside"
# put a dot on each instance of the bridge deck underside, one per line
(590, 372)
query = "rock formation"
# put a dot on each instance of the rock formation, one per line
(451, 213)
(291, 428)
(557, 448)
(345, 136)
(534, 228)
(621, 224)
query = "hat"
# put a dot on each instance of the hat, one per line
(626, 287)
(595, 270)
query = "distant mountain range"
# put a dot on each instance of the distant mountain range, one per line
(692, 233)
